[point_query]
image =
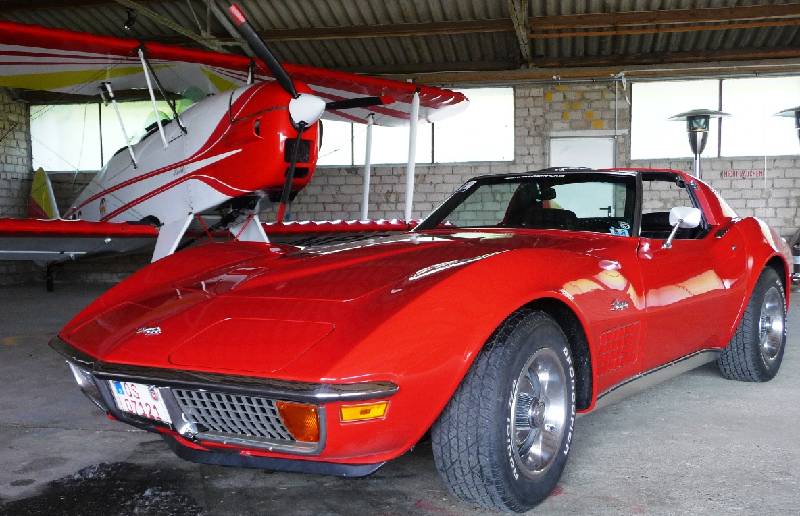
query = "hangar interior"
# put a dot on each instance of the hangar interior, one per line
(552, 84)
(565, 81)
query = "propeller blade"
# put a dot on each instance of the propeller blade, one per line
(287, 185)
(359, 102)
(261, 50)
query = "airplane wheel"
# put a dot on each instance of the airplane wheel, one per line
(755, 352)
(504, 438)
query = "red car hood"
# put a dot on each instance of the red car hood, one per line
(254, 312)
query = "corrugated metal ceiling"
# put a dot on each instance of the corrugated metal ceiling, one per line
(455, 51)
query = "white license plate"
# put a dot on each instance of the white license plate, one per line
(139, 399)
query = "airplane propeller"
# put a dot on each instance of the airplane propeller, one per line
(304, 109)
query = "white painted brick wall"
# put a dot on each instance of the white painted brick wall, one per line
(335, 193)
(15, 178)
(540, 111)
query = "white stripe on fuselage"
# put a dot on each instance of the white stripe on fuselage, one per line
(201, 120)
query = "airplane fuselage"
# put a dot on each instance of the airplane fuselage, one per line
(234, 144)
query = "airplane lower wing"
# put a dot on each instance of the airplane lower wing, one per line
(47, 241)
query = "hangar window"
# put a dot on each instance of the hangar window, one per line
(65, 137)
(390, 144)
(83, 137)
(751, 130)
(482, 132)
(337, 143)
(653, 135)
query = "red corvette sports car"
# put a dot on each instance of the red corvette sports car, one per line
(523, 299)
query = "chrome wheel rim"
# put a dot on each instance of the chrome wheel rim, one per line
(538, 412)
(771, 324)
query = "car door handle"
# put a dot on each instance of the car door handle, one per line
(610, 265)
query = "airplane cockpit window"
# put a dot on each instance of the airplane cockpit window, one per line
(153, 127)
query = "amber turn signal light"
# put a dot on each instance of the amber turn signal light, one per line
(363, 412)
(301, 420)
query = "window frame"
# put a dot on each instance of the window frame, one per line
(433, 162)
(439, 214)
(719, 123)
(691, 190)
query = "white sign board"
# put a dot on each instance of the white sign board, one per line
(582, 151)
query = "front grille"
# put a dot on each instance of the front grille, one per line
(232, 414)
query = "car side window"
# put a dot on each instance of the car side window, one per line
(486, 207)
(661, 193)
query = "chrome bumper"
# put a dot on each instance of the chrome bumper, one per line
(266, 433)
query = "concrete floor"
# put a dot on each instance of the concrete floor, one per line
(697, 444)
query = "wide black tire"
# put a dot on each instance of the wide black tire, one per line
(472, 444)
(745, 359)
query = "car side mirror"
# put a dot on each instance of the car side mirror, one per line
(682, 217)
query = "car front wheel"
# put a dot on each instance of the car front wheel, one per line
(504, 438)
(755, 352)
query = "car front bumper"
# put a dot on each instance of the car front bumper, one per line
(238, 442)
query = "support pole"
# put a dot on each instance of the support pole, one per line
(110, 92)
(412, 155)
(153, 98)
(367, 169)
(697, 166)
(48, 277)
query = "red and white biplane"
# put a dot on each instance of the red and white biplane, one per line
(256, 134)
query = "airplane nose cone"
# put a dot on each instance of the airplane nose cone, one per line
(306, 109)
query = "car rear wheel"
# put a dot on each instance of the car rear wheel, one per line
(503, 439)
(755, 352)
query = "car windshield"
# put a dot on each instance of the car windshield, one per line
(577, 201)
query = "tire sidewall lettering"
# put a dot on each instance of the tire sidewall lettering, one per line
(509, 444)
(571, 421)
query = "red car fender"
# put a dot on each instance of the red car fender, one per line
(763, 245)
(418, 403)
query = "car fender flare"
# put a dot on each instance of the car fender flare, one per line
(770, 249)
(532, 301)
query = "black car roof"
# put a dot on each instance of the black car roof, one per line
(560, 170)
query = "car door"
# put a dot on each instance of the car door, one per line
(690, 288)
(608, 285)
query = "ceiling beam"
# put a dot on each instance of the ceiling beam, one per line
(667, 16)
(650, 58)
(23, 5)
(613, 64)
(600, 74)
(391, 30)
(518, 9)
(665, 29)
(413, 68)
(675, 64)
(205, 41)
(539, 24)
(775, 14)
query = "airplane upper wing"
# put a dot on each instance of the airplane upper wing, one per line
(39, 58)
